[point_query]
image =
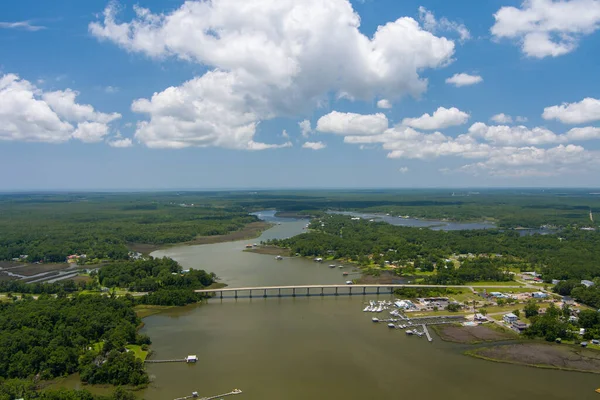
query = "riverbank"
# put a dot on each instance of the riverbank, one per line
(270, 250)
(542, 355)
(473, 334)
(250, 231)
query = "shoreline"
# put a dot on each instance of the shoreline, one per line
(250, 231)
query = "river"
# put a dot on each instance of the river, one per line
(317, 348)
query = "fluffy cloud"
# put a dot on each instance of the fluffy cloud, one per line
(581, 134)
(352, 124)
(28, 114)
(463, 79)
(502, 119)
(498, 150)
(547, 27)
(314, 145)
(268, 59)
(441, 118)
(514, 135)
(305, 127)
(384, 103)
(403, 170)
(120, 143)
(587, 110)
(443, 25)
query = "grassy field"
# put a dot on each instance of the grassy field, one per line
(137, 351)
(542, 355)
(145, 310)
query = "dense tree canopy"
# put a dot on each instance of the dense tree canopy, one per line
(569, 254)
(55, 336)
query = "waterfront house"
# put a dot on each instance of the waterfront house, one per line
(519, 326)
(587, 283)
(510, 318)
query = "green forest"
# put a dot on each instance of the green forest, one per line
(571, 254)
(50, 226)
(56, 336)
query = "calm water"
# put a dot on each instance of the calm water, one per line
(436, 225)
(320, 348)
(316, 348)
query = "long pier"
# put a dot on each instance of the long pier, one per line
(322, 290)
(427, 333)
(195, 395)
(165, 361)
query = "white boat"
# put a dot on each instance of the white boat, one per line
(419, 334)
(379, 309)
(332, 266)
(348, 282)
(374, 319)
(279, 258)
(340, 266)
(366, 308)
(409, 332)
(390, 325)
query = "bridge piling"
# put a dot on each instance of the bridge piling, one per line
(235, 294)
(364, 290)
(265, 293)
(322, 294)
(221, 295)
(336, 290)
(350, 291)
(250, 293)
(307, 291)
(279, 292)
(377, 289)
(294, 292)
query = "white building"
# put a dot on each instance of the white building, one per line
(587, 283)
(510, 318)
(539, 295)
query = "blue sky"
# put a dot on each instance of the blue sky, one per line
(104, 95)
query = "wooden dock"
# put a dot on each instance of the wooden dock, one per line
(165, 361)
(427, 333)
(194, 395)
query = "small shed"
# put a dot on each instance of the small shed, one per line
(191, 359)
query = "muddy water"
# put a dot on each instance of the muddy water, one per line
(319, 348)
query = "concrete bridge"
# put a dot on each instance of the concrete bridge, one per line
(323, 290)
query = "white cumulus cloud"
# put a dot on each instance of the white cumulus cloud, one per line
(266, 59)
(502, 119)
(384, 103)
(314, 145)
(440, 119)
(120, 143)
(30, 115)
(587, 110)
(352, 124)
(547, 28)
(305, 127)
(463, 79)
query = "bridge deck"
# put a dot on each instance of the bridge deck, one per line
(367, 286)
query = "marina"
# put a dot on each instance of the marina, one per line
(412, 326)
